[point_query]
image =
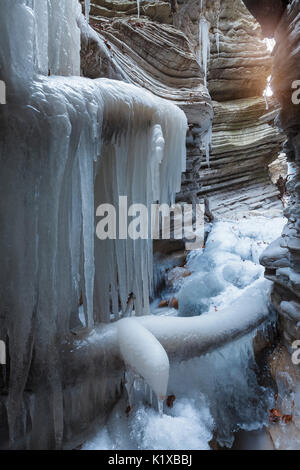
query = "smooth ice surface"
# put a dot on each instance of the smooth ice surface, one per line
(144, 354)
(217, 392)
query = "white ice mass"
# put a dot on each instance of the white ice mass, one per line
(217, 391)
(144, 355)
(76, 143)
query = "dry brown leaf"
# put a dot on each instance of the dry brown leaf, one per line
(174, 303)
(275, 415)
(170, 401)
(287, 418)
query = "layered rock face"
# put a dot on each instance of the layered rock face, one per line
(155, 56)
(282, 257)
(170, 62)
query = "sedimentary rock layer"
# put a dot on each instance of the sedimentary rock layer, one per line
(239, 60)
(282, 261)
(155, 56)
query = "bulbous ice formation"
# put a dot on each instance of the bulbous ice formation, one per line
(144, 354)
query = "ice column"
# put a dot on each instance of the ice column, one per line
(87, 4)
(204, 46)
(143, 353)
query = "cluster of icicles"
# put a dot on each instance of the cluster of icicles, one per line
(203, 60)
(76, 143)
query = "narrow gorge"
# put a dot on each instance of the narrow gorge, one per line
(150, 225)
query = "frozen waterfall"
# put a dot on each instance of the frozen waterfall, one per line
(69, 144)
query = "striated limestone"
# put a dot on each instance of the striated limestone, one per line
(283, 262)
(240, 67)
(155, 10)
(243, 145)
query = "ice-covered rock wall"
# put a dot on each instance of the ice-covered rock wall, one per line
(244, 140)
(63, 146)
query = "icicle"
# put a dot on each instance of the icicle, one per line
(204, 46)
(138, 7)
(74, 116)
(160, 402)
(218, 34)
(129, 385)
(64, 37)
(144, 354)
(266, 100)
(126, 263)
(87, 4)
(218, 42)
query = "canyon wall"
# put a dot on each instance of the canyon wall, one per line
(282, 257)
(190, 55)
(244, 138)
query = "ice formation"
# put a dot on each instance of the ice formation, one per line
(218, 391)
(184, 337)
(268, 92)
(67, 136)
(146, 153)
(218, 41)
(144, 355)
(206, 144)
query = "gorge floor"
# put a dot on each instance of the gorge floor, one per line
(216, 394)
